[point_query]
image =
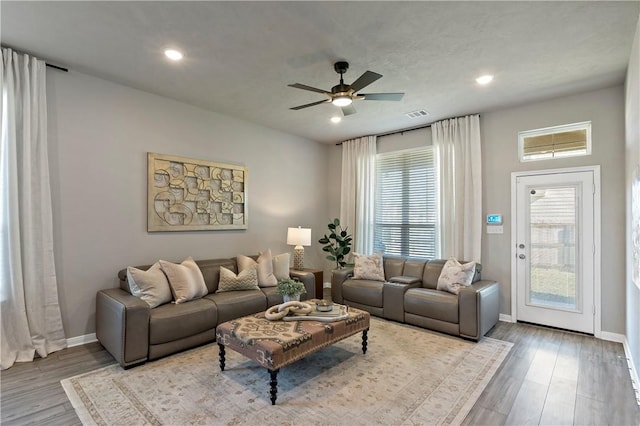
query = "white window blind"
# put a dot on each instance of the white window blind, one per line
(405, 219)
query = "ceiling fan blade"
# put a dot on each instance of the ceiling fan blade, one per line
(309, 88)
(348, 110)
(382, 96)
(311, 104)
(364, 80)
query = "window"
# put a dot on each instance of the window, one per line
(569, 140)
(405, 219)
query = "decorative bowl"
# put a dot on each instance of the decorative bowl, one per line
(324, 305)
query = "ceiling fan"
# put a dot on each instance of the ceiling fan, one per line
(342, 95)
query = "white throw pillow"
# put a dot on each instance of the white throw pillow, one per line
(264, 267)
(281, 266)
(368, 267)
(245, 280)
(186, 280)
(150, 285)
(455, 275)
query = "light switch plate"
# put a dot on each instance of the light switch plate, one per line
(495, 229)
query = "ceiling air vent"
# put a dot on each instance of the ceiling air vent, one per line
(417, 114)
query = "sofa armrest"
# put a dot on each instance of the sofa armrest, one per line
(309, 281)
(122, 325)
(339, 276)
(479, 308)
(393, 301)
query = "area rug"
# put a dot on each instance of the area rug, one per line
(408, 376)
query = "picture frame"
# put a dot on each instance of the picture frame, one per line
(185, 194)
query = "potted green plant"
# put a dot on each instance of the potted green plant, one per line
(291, 289)
(337, 243)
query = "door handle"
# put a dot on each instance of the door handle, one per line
(521, 256)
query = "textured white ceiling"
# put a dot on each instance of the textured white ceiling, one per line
(240, 56)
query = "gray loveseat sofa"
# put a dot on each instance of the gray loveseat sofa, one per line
(409, 295)
(133, 332)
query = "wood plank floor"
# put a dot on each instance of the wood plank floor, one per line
(550, 377)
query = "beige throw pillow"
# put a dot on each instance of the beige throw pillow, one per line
(186, 280)
(281, 266)
(264, 268)
(368, 267)
(245, 280)
(150, 285)
(455, 275)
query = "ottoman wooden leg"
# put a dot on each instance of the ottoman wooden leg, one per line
(221, 355)
(274, 385)
(364, 341)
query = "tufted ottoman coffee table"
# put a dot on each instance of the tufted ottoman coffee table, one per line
(275, 344)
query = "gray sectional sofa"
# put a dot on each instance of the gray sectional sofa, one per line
(134, 333)
(409, 295)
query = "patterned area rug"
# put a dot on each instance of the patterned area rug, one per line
(408, 376)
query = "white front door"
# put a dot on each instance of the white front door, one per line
(555, 250)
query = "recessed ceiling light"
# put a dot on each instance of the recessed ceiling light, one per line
(336, 119)
(484, 79)
(173, 54)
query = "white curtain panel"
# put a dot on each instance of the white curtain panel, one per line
(459, 170)
(358, 191)
(31, 320)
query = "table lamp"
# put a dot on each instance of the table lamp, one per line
(298, 237)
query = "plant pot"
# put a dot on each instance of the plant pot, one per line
(295, 297)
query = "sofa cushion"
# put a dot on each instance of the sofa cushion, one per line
(272, 295)
(210, 269)
(281, 266)
(176, 321)
(365, 292)
(264, 267)
(393, 267)
(186, 280)
(434, 304)
(368, 267)
(245, 280)
(413, 268)
(150, 285)
(431, 273)
(236, 304)
(455, 275)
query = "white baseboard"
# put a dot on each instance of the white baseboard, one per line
(505, 318)
(635, 381)
(81, 340)
(612, 337)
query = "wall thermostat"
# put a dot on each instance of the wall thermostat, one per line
(494, 219)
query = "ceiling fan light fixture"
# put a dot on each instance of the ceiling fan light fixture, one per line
(341, 101)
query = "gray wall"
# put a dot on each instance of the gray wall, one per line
(632, 154)
(605, 108)
(99, 134)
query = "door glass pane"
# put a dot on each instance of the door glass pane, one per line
(553, 222)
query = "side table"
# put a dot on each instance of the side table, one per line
(319, 277)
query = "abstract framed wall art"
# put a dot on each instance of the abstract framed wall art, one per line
(184, 194)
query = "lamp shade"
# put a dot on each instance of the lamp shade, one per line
(299, 236)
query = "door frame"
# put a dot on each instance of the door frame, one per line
(597, 242)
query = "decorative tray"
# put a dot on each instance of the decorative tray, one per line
(339, 312)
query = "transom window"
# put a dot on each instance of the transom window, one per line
(568, 140)
(405, 219)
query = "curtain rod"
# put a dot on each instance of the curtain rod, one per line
(395, 132)
(57, 67)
